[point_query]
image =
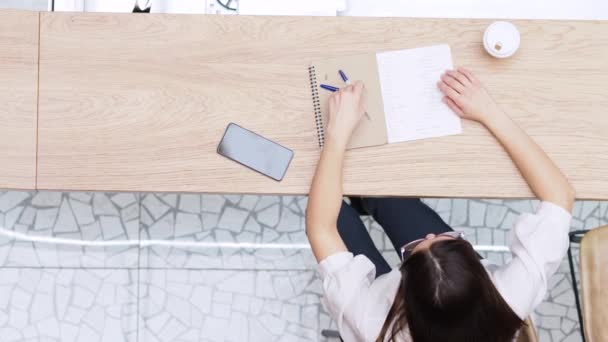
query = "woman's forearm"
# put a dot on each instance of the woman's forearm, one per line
(324, 201)
(467, 97)
(326, 190)
(346, 108)
(540, 172)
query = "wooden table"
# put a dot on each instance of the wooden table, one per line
(139, 103)
(18, 97)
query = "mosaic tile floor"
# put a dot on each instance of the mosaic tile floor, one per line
(214, 268)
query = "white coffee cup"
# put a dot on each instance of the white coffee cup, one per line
(501, 39)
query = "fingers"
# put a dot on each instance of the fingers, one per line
(334, 99)
(469, 75)
(453, 82)
(355, 90)
(447, 90)
(453, 106)
(348, 89)
(460, 77)
(358, 86)
(335, 96)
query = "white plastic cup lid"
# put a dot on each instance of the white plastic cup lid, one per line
(501, 39)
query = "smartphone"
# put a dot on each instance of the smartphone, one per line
(254, 151)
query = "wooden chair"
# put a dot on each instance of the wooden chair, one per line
(594, 284)
(593, 268)
(576, 237)
(528, 332)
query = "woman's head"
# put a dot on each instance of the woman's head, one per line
(447, 295)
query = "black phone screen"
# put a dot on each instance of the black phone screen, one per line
(255, 151)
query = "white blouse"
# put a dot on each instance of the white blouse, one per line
(359, 303)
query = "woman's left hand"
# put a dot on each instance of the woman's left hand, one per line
(346, 108)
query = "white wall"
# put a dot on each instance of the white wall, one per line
(36, 5)
(519, 9)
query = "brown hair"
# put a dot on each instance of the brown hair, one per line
(446, 295)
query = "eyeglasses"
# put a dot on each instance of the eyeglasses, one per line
(409, 247)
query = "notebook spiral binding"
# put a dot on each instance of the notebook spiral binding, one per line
(316, 104)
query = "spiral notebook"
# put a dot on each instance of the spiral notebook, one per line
(402, 100)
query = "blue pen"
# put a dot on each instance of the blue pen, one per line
(328, 87)
(343, 76)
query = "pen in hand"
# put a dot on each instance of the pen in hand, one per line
(343, 76)
(330, 88)
(334, 89)
(348, 82)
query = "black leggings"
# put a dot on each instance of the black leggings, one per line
(403, 220)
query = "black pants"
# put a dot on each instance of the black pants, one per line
(403, 220)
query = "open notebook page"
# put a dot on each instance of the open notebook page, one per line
(412, 102)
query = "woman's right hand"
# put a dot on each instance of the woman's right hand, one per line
(346, 107)
(466, 96)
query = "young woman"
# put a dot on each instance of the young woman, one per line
(442, 291)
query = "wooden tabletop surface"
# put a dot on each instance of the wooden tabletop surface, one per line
(139, 103)
(18, 97)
